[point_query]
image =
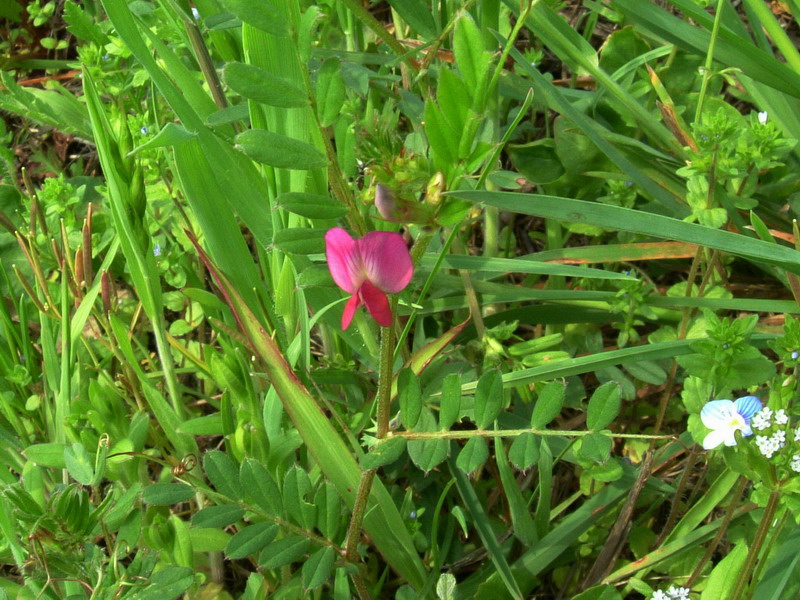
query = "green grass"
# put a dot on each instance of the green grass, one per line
(599, 200)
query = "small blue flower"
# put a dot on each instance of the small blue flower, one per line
(413, 514)
(144, 130)
(157, 250)
(795, 355)
(724, 418)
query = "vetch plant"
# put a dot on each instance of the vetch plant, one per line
(725, 418)
(368, 268)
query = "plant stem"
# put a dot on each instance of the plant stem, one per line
(502, 433)
(354, 529)
(385, 380)
(366, 17)
(726, 519)
(758, 542)
(709, 60)
(384, 400)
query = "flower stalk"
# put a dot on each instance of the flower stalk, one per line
(758, 541)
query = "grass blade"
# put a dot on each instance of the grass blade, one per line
(626, 219)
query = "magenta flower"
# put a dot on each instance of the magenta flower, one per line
(368, 268)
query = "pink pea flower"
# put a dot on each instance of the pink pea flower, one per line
(368, 268)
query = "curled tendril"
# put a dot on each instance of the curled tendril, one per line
(187, 463)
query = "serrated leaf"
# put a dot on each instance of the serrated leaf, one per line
(548, 404)
(409, 394)
(311, 206)
(283, 552)
(488, 398)
(472, 455)
(426, 454)
(330, 91)
(384, 453)
(260, 14)
(279, 151)
(223, 474)
(79, 463)
(450, 404)
(446, 587)
(262, 86)
(251, 539)
(300, 240)
(524, 451)
(165, 494)
(217, 516)
(318, 568)
(604, 406)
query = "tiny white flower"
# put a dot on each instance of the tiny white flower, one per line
(761, 420)
(678, 593)
(195, 13)
(762, 117)
(766, 445)
(781, 418)
(779, 438)
(795, 463)
(659, 595)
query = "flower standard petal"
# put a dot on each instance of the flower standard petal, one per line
(387, 263)
(344, 260)
(717, 414)
(748, 406)
(377, 304)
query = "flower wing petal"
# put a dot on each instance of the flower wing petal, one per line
(748, 406)
(717, 414)
(344, 260)
(377, 304)
(387, 262)
(349, 310)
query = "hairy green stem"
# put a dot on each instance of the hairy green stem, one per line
(384, 400)
(354, 529)
(385, 379)
(463, 435)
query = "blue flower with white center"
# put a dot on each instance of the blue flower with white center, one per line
(724, 418)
